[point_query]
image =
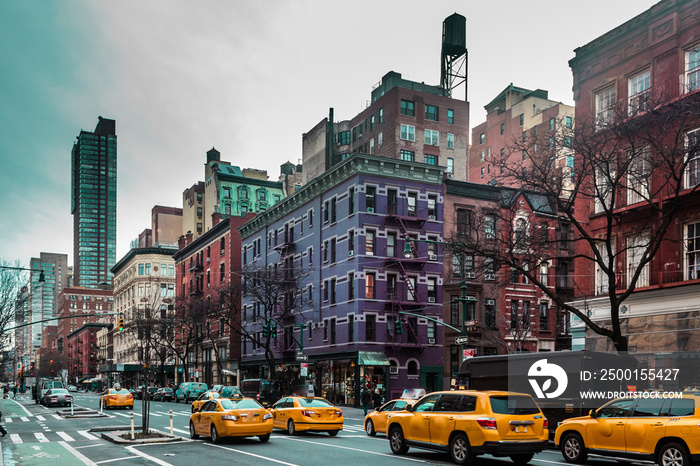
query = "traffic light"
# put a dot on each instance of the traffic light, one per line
(121, 324)
(266, 330)
(273, 332)
(398, 328)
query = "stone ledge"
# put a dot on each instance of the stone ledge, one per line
(116, 438)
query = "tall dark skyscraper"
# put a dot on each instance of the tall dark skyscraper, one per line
(94, 204)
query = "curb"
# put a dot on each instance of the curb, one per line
(116, 438)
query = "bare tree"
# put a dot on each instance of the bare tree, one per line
(15, 296)
(642, 155)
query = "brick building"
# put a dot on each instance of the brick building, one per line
(79, 306)
(82, 352)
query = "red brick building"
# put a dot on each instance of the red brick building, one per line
(651, 62)
(82, 351)
(78, 306)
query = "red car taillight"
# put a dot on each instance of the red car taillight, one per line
(307, 412)
(339, 413)
(112, 397)
(129, 397)
(546, 423)
(487, 423)
(228, 417)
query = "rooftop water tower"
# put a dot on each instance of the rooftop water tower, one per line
(453, 71)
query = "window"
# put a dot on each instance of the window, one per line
(638, 91)
(450, 141)
(333, 243)
(370, 198)
(140, 269)
(503, 128)
(408, 107)
(431, 112)
(450, 116)
(351, 286)
(431, 159)
(371, 327)
(692, 170)
(544, 316)
(371, 122)
(391, 286)
(431, 137)
(391, 245)
(692, 69)
(551, 123)
(381, 115)
(636, 246)
(411, 289)
(524, 136)
(692, 251)
(603, 188)
(569, 122)
(454, 310)
(370, 278)
(604, 105)
(490, 226)
(482, 172)
(408, 132)
(222, 246)
(369, 242)
(199, 212)
(371, 146)
(380, 139)
(638, 176)
(514, 314)
(408, 155)
(412, 201)
(601, 278)
(483, 156)
(344, 138)
(351, 327)
(522, 119)
(490, 313)
(432, 206)
(332, 290)
(432, 290)
(450, 165)
(351, 201)
(482, 138)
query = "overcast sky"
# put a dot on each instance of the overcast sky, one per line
(247, 77)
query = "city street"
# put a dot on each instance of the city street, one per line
(39, 436)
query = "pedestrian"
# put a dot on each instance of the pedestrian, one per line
(6, 389)
(14, 392)
(2, 429)
(365, 398)
(377, 399)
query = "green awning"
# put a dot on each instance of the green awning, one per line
(372, 358)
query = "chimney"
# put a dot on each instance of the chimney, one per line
(189, 238)
(215, 218)
(181, 242)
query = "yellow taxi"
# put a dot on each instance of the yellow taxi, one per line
(223, 417)
(117, 398)
(375, 422)
(203, 398)
(301, 413)
(468, 423)
(665, 430)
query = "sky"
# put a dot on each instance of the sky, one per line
(247, 77)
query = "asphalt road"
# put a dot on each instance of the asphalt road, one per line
(39, 436)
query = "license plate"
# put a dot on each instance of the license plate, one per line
(520, 428)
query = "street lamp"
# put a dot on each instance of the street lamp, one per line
(42, 278)
(408, 253)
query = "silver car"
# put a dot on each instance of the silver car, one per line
(57, 396)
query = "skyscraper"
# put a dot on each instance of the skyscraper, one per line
(94, 204)
(44, 294)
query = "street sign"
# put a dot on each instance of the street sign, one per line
(304, 369)
(467, 353)
(462, 340)
(302, 357)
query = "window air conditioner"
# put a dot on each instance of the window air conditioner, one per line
(370, 210)
(431, 217)
(431, 299)
(432, 257)
(351, 253)
(471, 275)
(490, 276)
(394, 370)
(431, 341)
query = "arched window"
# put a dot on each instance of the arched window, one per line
(412, 368)
(262, 195)
(244, 192)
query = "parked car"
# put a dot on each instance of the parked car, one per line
(164, 394)
(231, 391)
(467, 423)
(117, 398)
(189, 391)
(223, 417)
(41, 386)
(375, 422)
(72, 388)
(651, 429)
(57, 396)
(217, 388)
(151, 392)
(297, 413)
(266, 391)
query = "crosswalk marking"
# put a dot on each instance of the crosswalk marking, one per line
(182, 431)
(8, 420)
(66, 437)
(87, 434)
(155, 414)
(57, 416)
(120, 414)
(41, 437)
(24, 419)
(16, 438)
(40, 418)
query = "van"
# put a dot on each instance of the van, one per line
(189, 391)
(44, 385)
(266, 391)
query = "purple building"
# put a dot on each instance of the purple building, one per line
(370, 315)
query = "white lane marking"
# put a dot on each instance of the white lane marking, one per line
(182, 431)
(251, 454)
(148, 457)
(120, 414)
(87, 434)
(56, 416)
(88, 446)
(41, 437)
(8, 420)
(116, 459)
(24, 419)
(16, 438)
(41, 418)
(65, 437)
(548, 461)
(348, 448)
(22, 406)
(155, 414)
(77, 454)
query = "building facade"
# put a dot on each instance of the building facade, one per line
(166, 227)
(406, 120)
(78, 306)
(649, 62)
(82, 352)
(94, 204)
(53, 268)
(366, 314)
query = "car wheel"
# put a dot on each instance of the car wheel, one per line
(264, 438)
(522, 458)
(192, 432)
(397, 441)
(214, 434)
(332, 433)
(291, 428)
(369, 428)
(131, 407)
(673, 454)
(572, 448)
(459, 449)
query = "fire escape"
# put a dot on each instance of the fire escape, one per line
(401, 292)
(286, 251)
(196, 270)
